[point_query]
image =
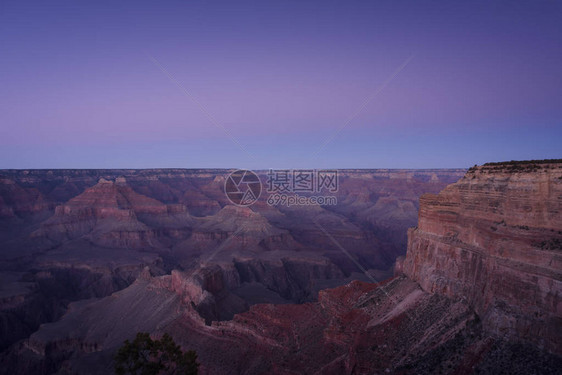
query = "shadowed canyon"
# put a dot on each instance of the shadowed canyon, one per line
(411, 272)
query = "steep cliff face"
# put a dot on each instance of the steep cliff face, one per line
(494, 238)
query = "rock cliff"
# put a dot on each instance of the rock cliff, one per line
(494, 239)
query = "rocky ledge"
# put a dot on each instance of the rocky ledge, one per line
(494, 238)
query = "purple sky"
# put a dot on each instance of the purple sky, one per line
(82, 86)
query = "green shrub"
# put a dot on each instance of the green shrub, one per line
(145, 356)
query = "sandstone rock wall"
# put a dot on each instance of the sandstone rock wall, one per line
(494, 238)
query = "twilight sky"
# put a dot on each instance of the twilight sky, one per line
(279, 84)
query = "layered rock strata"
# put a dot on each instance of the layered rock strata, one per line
(494, 239)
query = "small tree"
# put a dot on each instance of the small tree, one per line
(145, 356)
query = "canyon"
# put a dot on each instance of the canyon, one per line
(90, 257)
(70, 235)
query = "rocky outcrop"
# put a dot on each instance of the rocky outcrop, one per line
(219, 291)
(108, 215)
(29, 299)
(494, 239)
(359, 328)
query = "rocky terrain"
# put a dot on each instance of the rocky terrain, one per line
(494, 238)
(360, 328)
(478, 292)
(71, 235)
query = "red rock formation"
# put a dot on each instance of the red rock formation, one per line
(359, 328)
(494, 238)
(15, 199)
(108, 214)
